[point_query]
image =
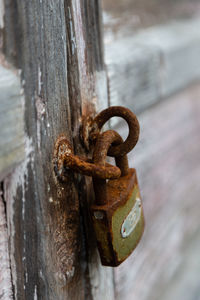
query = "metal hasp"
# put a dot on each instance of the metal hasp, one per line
(117, 213)
(64, 160)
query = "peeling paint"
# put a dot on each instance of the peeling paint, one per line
(50, 199)
(5, 276)
(40, 83)
(41, 274)
(81, 47)
(70, 273)
(23, 83)
(61, 279)
(17, 179)
(73, 39)
(40, 108)
(38, 134)
(35, 293)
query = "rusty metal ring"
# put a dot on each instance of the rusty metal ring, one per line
(64, 158)
(131, 119)
(102, 146)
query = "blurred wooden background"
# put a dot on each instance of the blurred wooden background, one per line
(152, 51)
(166, 264)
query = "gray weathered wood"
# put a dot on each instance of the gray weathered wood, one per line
(57, 45)
(166, 263)
(5, 274)
(154, 63)
(51, 247)
(142, 70)
(11, 121)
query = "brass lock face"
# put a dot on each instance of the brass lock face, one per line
(117, 213)
(119, 224)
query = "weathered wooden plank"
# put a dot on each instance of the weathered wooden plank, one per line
(57, 45)
(128, 17)
(144, 63)
(87, 67)
(166, 263)
(11, 121)
(154, 63)
(5, 274)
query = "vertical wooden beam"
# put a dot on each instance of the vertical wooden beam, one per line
(57, 46)
(5, 274)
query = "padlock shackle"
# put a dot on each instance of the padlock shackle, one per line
(103, 143)
(133, 124)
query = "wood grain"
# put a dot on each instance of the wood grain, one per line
(6, 292)
(166, 263)
(57, 45)
(145, 67)
(52, 251)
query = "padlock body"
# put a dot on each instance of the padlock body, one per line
(119, 224)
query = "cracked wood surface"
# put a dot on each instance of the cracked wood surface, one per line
(57, 47)
(62, 77)
(6, 292)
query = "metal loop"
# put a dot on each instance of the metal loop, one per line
(64, 158)
(134, 128)
(102, 146)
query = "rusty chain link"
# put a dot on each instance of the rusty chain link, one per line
(131, 119)
(102, 146)
(112, 142)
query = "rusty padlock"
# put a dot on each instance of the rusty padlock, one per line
(117, 213)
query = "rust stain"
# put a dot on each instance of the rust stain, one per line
(65, 160)
(110, 196)
(131, 119)
(103, 143)
(119, 192)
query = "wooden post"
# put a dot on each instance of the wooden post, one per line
(57, 47)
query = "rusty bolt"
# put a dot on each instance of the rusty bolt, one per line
(64, 158)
